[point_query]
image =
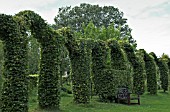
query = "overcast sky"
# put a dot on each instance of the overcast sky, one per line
(149, 19)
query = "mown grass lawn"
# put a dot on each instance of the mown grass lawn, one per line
(149, 103)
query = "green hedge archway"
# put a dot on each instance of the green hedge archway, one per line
(48, 90)
(80, 61)
(14, 33)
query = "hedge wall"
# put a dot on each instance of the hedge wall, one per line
(80, 65)
(120, 63)
(15, 90)
(164, 74)
(107, 82)
(151, 73)
(140, 56)
(99, 62)
(138, 76)
(156, 60)
(48, 86)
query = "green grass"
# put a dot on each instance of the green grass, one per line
(149, 103)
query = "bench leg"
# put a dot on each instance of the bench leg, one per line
(138, 101)
(128, 101)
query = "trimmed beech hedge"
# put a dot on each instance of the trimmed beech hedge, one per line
(48, 86)
(80, 65)
(48, 89)
(99, 62)
(164, 74)
(151, 73)
(138, 76)
(13, 33)
(118, 61)
(107, 83)
(156, 60)
(15, 90)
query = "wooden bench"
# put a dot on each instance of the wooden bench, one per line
(125, 95)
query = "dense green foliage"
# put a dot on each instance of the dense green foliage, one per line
(102, 86)
(100, 16)
(120, 64)
(102, 33)
(118, 60)
(156, 60)
(48, 90)
(138, 75)
(155, 57)
(32, 81)
(1, 58)
(151, 72)
(106, 83)
(94, 59)
(140, 56)
(1, 66)
(15, 33)
(80, 65)
(164, 74)
(14, 92)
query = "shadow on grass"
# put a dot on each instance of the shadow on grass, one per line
(162, 92)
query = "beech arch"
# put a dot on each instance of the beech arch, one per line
(14, 34)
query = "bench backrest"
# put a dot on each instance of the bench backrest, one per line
(122, 93)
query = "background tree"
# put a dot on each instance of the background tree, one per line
(33, 56)
(103, 33)
(100, 16)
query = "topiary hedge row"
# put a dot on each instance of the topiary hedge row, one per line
(99, 62)
(156, 60)
(120, 64)
(48, 89)
(151, 73)
(138, 70)
(14, 34)
(48, 86)
(80, 65)
(164, 74)
(118, 61)
(107, 82)
(15, 90)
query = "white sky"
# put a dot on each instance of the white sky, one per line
(149, 19)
